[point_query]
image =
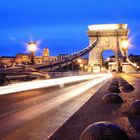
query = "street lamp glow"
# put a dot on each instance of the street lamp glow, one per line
(32, 46)
(86, 67)
(79, 60)
(81, 65)
(108, 59)
(125, 44)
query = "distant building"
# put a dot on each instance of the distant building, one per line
(110, 59)
(38, 59)
(51, 58)
(45, 55)
(23, 58)
(6, 60)
(84, 61)
(45, 52)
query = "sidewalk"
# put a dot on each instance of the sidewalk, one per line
(94, 111)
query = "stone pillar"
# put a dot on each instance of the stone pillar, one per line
(109, 37)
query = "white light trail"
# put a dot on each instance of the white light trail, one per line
(67, 95)
(47, 83)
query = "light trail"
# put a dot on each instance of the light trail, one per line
(75, 96)
(47, 83)
(63, 98)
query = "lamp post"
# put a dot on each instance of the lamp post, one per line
(86, 67)
(32, 47)
(117, 55)
(108, 59)
(82, 66)
(124, 46)
(72, 66)
(92, 67)
(79, 61)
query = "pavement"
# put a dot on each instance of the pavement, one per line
(94, 111)
(35, 114)
(60, 116)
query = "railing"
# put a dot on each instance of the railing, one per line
(66, 74)
(134, 65)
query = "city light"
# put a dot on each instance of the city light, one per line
(79, 60)
(108, 59)
(86, 67)
(91, 65)
(81, 65)
(125, 44)
(32, 46)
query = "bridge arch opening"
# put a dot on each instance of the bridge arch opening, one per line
(108, 59)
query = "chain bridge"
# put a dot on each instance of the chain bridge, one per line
(101, 37)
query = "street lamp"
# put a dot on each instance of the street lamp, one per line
(86, 67)
(108, 59)
(91, 67)
(32, 47)
(82, 66)
(80, 63)
(79, 60)
(124, 46)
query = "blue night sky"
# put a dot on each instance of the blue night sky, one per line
(61, 25)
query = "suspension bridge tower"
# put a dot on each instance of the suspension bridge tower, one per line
(109, 37)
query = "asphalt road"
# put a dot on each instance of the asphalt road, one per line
(36, 114)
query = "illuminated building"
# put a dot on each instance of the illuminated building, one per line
(6, 60)
(22, 58)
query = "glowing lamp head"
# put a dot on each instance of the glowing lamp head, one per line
(79, 60)
(86, 67)
(81, 65)
(125, 44)
(32, 46)
(108, 59)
